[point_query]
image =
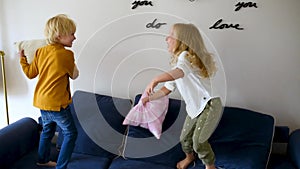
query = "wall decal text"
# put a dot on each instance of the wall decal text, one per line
(135, 4)
(240, 5)
(154, 24)
(217, 25)
(220, 25)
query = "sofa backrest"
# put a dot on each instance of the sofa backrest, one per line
(16, 140)
(243, 125)
(98, 119)
(243, 138)
(294, 148)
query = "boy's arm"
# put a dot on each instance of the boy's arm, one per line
(75, 73)
(31, 70)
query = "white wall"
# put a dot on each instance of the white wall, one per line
(118, 55)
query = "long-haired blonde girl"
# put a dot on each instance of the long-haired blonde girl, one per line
(192, 63)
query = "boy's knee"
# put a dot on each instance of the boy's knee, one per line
(72, 134)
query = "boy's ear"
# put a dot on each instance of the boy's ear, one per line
(58, 38)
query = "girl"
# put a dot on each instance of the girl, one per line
(192, 68)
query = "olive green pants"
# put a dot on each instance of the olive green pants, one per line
(195, 132)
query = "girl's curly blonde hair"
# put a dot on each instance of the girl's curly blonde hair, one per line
(188, 38)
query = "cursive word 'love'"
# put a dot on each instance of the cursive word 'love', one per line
(220, 25)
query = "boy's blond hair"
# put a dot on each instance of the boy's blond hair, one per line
(188, 38)
(59, 25)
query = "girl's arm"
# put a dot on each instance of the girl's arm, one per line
(157, 95)
(168, 76)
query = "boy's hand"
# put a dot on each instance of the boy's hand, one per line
(22, 53)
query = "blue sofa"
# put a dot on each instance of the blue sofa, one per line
(243, 139)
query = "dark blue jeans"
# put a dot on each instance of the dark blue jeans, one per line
(64, 120)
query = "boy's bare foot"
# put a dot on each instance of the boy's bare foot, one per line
(183, 164)
(48, 164)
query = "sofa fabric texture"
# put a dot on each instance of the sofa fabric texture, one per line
(242, 140)
(25, 138)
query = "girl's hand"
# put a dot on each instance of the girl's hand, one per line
(145, 100)
(22, 53)
(150, 88)
(157, 95)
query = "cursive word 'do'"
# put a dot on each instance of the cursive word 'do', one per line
(155, 25)
(220, 25)
(240, 5)
(135, 4)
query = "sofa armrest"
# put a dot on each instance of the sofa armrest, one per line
(294, 147)
(16, 140)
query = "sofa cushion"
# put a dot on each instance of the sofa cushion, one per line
(280, 161)
(243, 139)
(98, 119)
(165, 151)
(29, 160)
(84, 161)
(17, 139)
(122, 163)
(294, 147)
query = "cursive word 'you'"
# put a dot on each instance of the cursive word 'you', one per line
(240, 5)
(135, 4)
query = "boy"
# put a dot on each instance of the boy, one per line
(54, 65)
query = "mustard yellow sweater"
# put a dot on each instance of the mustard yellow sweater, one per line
(54, 64)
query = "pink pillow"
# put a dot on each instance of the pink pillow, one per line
(150, 116)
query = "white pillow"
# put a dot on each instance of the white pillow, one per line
(30, 47)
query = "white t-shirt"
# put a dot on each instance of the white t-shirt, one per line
(193, 88)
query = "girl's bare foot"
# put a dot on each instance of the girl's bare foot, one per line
(210, 167)
(183, 164)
